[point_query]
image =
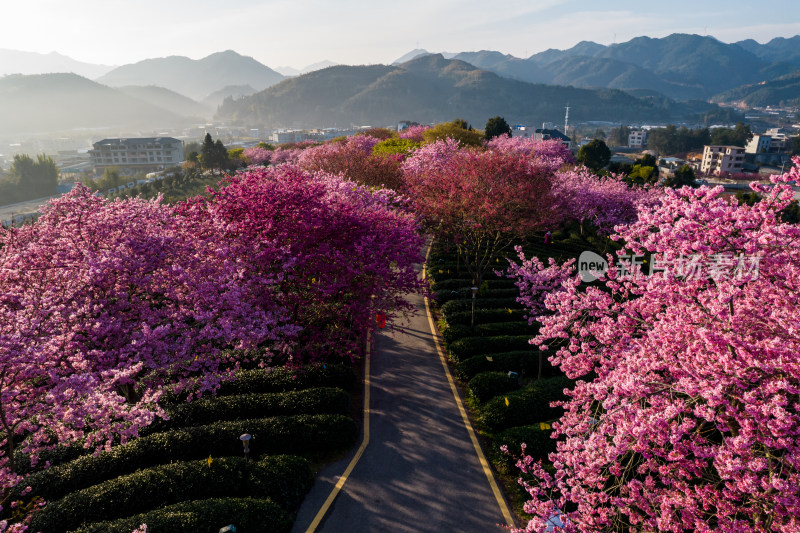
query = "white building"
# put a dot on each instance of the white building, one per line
(722, 159)
(759, 144)
(138, 154)
(637, 139)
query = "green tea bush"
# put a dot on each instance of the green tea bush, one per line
(471, 346)
(451, 271)
(487, 385)
(525, 406)
(444, 296)
(208, 410)
(283, 479)
(455, 284)
(248, 515)
(458, 306)
(281, 434)
(282, 379)
(486, 316)
(524, 362)
(536, 438)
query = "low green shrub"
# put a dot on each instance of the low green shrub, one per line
(525, 406)
(320, 400)
(281, 434)
(524, 362)
(506, 328)
(58, 455)
(455, 284)
(450, 271)
(454, 332)
(451, 334)
(444, 296)
(249, 515)
(248, 382)
(487, 316)
(458, 306)
(487, 385)
(283, 479)
(538, 443)
(282, 379)
(470, 346)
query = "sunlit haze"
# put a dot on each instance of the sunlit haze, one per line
(290, 33)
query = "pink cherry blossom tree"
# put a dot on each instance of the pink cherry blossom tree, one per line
(481, 201)
(257, 155)
(686, 415)
(353, 158)
(104, 303)
(346, 244)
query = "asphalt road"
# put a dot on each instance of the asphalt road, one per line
(420, 471)
(26, 209)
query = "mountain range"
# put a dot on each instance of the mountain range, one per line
(679, 66)
(645, 79)
(432, 88)
(52, 103)
(18, 62)
(196, 79)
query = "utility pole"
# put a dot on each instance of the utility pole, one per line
(566, 121)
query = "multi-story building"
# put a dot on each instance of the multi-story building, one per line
(637, 139)
(551, 134)
(137, 154)
(722, 159)
(759, 144)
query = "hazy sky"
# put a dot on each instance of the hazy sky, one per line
(300, 32)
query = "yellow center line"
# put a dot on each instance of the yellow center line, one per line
(498, 495)
(339, 484)
(501, 502)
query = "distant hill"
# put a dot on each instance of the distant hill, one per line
(777, 50)
(289, 71)
(215, 99)
(783, 91)
(413, 54)
(680, 66)
(18, 62)
(691, 61)
(195, 78)
(431, 88)
(51, 103)
(169, 101)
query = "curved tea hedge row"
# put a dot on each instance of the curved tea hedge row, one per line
(281, 479)
(250, 515)
(189, 473)
(283, 434)
(256, 381)
(320, 400)
(510, 409)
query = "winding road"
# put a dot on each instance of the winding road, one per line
(419, 469)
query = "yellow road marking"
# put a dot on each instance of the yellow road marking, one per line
(501, 502)
(339, 484)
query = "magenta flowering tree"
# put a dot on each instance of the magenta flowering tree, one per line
(287, 155)
(480, 201)
(414, 133)
(551, 153)
(688, 414)
(353, 158)
(103, 304)
(604, 202)
(257, 155)
(345, 242)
